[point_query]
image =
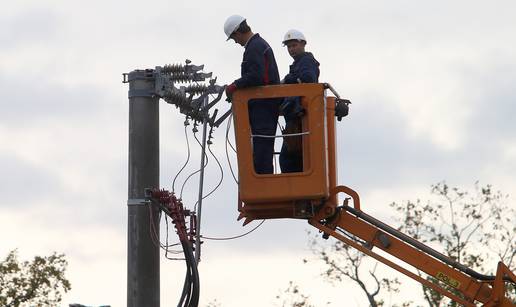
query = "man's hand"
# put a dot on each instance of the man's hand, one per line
(230, 89)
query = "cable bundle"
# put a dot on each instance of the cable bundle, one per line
(173, 207)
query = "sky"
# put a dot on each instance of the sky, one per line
(432, 86)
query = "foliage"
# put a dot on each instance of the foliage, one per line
(213, 303)
(344, 262)
(293, 297)
(474, 228)
(36, 283)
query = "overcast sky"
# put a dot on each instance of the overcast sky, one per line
(432, 85)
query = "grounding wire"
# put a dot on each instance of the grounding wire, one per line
(227, 153)
(187, 158)
(234, 237)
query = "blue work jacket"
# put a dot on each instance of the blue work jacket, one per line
(305, 69)
(258, 65)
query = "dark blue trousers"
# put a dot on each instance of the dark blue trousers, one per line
(291, 159)
(263, 117)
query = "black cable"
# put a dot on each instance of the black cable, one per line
(235, 237)
(187, 159)
(190, 294)
(194, 274)
(186, 285)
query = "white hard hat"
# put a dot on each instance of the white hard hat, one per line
(232, 24)
(293, 35)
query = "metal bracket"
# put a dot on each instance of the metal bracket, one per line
(140, 93)
(137, 202)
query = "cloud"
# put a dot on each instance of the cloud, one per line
(34, 101)
(26, 28)
(432, 99)
(24, 183)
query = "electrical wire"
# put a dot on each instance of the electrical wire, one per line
(227, 153)
(197, 171)
(234, 237)
(230, 119)
(153, 233)
(187, 158)
(220, 180)
(155, 237)
(166, 240)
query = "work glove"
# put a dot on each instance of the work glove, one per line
(230, 89)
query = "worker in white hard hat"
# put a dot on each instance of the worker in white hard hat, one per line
(305, 69)
(258, 68)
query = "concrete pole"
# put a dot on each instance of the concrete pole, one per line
(142, 253)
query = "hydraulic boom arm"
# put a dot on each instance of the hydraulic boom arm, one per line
(471, 286)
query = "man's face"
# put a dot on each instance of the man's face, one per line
(295, 47)
(237, 37)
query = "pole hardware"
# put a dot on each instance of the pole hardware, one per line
(137, 202)
(184, 86)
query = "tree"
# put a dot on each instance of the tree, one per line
(213, 303)
(344, 262)
(293, 297)
(455, 222)
(36, 283)
(475, 228)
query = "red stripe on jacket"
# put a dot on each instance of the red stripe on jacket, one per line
(266, 73)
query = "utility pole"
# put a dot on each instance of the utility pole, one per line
(146, 88)
(143, 278)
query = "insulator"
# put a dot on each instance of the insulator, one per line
(196, 89)
(180, 77)
(176, 98)
(173, 68)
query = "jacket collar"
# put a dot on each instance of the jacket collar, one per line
(250, 38)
